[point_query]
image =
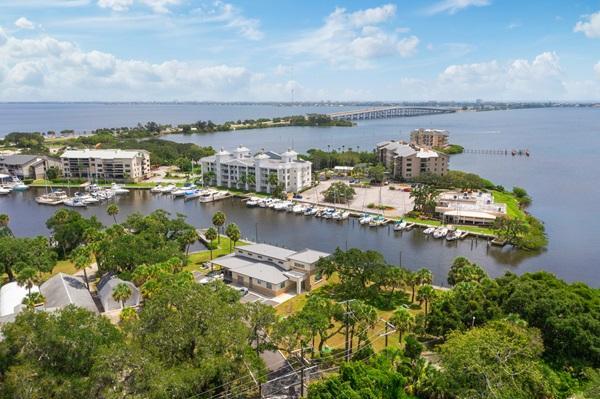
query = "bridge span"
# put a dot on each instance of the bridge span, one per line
(388, 112)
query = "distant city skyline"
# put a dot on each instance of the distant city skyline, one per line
(194, 50)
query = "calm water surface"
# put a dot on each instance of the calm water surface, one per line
(561, 175)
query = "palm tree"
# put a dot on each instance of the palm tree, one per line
(426, 294)
(243, 180)
(412, 280)
(28, 277)
(81, 258)
(122, 293)
(251, 180)
(211, 234)
(424, 276)
(233, 232)
(189, 237)
(403, 321)
(113, 210)
(4, 229)
(272, 180)
(218, 220)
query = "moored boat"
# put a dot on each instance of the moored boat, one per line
(53, 198)
(400, 225)
(440, 232)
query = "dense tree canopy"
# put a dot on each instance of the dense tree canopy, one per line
(18, 253)
(68, 229)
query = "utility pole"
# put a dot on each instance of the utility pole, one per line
(347, 329)
(302, 370)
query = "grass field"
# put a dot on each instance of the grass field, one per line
(196, 259)
(512, 205)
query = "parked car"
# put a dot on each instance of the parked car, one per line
(241, 290)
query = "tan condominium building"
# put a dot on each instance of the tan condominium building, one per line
(432, 138)
(270, 270)
(241, 169)
(406, 161)
(119, 165)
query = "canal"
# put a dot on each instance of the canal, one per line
(411, 249)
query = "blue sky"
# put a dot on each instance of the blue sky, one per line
(163, 50)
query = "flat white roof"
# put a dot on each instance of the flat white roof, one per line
(11, 296)
(267, 250)
(470, 214)
(102, 154)
(309, 256)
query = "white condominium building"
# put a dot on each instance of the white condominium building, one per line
(123, 165)
(243, 171)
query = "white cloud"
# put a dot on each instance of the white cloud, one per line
(45, 68)
(597, 69)
(453, 6)
(230, 17)
(116, 5)
(590, 26)
(538, 79)
(24, 23)
(158, 6)
(352, 40)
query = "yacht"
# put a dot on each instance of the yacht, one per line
(18, 185)
(310, 211)
(118, 189)
(191, 194)
(377, 221)
(252, 202)
(429, 230)
(365, 219)
(400, 225)
(74, 202)
(168, 189)
(440, 232)
(298, 209)
(180, 192)
(157, 189)
(341, 215)
(53, 198)
(212, 195)
(264, 203)
(5, 190)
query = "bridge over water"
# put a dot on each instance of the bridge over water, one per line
(388, 112)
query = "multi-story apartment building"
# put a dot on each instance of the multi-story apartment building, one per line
(271, 270)
(27, 166)
(406, 161)
(242, 170)
(120, 165)
(432, 138)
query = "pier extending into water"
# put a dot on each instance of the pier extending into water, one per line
(512, 152)
(388, 112)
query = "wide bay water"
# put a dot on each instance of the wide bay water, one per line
(561, 175)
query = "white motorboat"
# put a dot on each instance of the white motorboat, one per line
(189, 195)
(264, 203)
(344, 215)
(440, 232)
(118, 189)
(400, 225)
(168, 189)
(365, 219)
(282, 205)
(18, 185)
(377, 221)
(157, 189)
(74, 202)
(328, 213)
(310, 211)
(429, 230)
(298, 209)
(5, 190)
(53, 198)
(212, 195)
(252, 202)
(87, 199)
(453, 234)
(180, 192)
(273, 203)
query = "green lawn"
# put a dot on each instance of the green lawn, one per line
(512, 205)
(196, 259)
(64, 266)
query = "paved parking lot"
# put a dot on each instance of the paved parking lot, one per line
(397, 199)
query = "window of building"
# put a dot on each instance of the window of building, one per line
(259, 282)
(282, 285)
(269, 286)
